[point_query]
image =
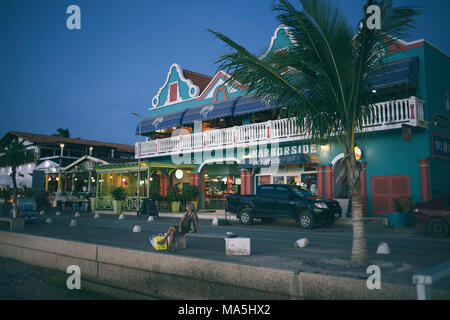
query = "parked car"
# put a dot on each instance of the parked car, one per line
(434, 214)
(28, 209)
(276, 201)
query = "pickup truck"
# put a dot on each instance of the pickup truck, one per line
(282, 200)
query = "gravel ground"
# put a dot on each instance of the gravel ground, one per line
(19, 281)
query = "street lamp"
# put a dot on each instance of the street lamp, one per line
(138, 207)
(62, 153)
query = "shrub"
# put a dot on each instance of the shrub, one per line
(5, 194)
(224, 222)
(173, 194)
(119, 194)
(402, 204)
(26, 192)
(190, 193)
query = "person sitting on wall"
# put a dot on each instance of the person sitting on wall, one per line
(184, 227)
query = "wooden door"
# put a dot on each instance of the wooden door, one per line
(386, 188)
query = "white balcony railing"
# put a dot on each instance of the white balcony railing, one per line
(383, 116)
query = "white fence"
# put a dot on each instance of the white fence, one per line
(383, 116)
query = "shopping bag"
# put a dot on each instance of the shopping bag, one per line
(154, 242)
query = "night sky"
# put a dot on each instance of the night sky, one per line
(90, 80)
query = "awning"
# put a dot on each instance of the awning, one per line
(49, 167)
(5, 180)
(210, 111)
(398, 72)
(249, 104)
(161, 122)
(299, 158)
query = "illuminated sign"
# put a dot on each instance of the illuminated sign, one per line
(440, 146)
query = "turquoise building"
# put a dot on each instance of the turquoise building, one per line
(233, 143)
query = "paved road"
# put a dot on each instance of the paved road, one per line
(330, 247)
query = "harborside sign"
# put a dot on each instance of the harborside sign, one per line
(440, 146)
(283, 151)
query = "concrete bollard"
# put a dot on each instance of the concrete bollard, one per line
(301, 243)
(48, 221)
(121, 217)
(137, 228)
(42, 212)
(150, 219)
(237, 246)
(58, 213)
(215, 221)
(73, 223)
(383, 248)
(96, 216)
(77, 214)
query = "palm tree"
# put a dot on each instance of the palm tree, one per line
(62, 133)
(14, 153)
(324, 78)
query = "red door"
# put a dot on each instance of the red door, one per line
(386, 188)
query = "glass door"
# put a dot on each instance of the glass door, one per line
(309, 181)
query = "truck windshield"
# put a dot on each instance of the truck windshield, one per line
(302, 192)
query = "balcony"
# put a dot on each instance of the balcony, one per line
(384, 116)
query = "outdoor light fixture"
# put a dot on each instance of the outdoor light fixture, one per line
(374, 91)
(358, 153)
(325, 147)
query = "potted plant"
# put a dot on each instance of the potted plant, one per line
(93, 201)
(402, 215)
(119, 195)
(174, 196)
(190, 194)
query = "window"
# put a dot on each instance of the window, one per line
(283, 193)
(267, 192)
(173, 92)
(278, 180)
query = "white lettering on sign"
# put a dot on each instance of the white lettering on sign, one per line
(286, 151)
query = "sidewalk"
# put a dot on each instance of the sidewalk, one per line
(220, 214)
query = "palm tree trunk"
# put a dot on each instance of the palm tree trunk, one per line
(359, 250)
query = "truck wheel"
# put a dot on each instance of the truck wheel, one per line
(246, 216)
(305, 220)
(437, 227)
